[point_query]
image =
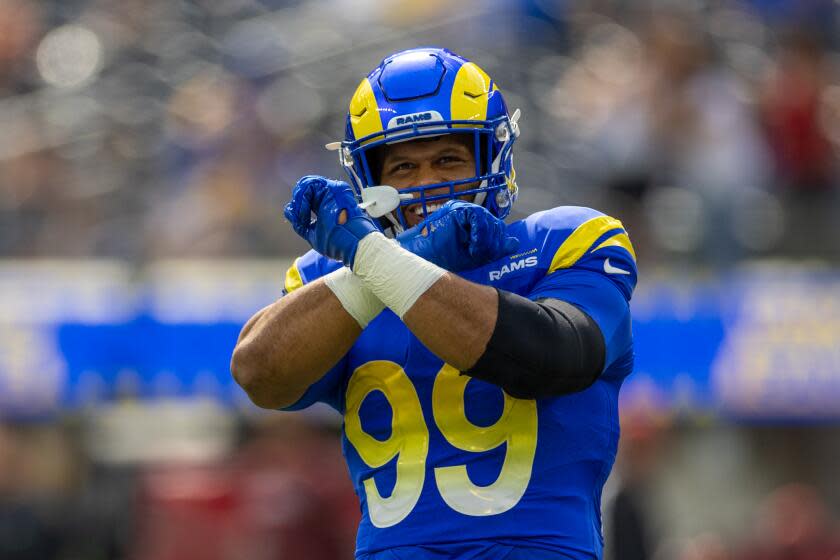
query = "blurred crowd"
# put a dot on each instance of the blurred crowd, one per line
(784, 512)
(279, 490)
(792, 523)
(147, 129)
(154, 129)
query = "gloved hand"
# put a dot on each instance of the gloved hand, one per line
(460, 236)
(328, 198)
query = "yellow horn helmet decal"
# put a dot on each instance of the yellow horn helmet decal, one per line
(364, 111)
(470, 94)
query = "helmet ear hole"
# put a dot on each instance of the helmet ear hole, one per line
(375, 158)
(484, 155)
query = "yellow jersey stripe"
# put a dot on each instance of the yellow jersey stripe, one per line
(579, 242)
(619, 240)
(293, 279)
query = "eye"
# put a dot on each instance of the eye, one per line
(449, 159)
(400, 166)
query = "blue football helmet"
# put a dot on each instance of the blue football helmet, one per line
(429, 92)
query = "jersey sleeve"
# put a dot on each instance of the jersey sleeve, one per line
(590, 262)
(304, 270)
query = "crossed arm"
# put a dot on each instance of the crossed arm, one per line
(287, 346)
(530, 349)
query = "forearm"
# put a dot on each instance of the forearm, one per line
(531, 349)
(454, 319)
(289, 345)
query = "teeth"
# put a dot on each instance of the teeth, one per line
(431, 207)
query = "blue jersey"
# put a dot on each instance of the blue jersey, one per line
(452, 467)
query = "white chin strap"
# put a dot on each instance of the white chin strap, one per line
(396, 226)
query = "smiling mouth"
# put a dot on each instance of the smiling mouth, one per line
(414, 213)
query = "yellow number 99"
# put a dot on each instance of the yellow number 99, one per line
(517, 427)
(409, 439)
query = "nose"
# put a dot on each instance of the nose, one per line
(429, 176)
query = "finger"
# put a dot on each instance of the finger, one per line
(495, 241)
(289, 211)
(449, 206)
(315, 189)
(441, 219)
(444, 210)
(463, 220)
(503, 244)
(292, 210)
(481, 235)
(341, 193)
(302, 212)
(411, 232)
(511, 245)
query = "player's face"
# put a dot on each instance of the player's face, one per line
(426, 162)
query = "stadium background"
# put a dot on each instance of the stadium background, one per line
(148, 146)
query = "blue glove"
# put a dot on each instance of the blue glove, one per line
(461, 236)
(327, 199)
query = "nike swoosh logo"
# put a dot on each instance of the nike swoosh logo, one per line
(610, 269)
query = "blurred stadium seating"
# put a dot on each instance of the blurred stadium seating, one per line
(148, 146)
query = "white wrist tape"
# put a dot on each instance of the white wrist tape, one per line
(396, 276)
(356, 299)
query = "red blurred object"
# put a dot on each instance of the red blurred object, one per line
(793, 523)
(281, 497)
(804, 156)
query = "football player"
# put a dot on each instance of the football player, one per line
(477, 365)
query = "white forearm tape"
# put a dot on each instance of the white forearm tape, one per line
(356, 299)
(396, 276)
